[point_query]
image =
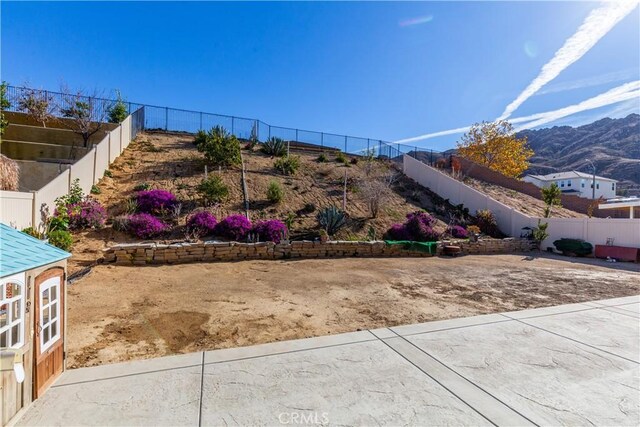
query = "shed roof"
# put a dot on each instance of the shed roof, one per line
(21, 252)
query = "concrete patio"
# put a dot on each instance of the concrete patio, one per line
(575, 364)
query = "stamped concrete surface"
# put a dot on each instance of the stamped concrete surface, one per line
(576, 364)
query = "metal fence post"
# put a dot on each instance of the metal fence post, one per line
(322, 139)
(368, 149)
(233, 125)
(345, 143)
(297, 140)
(166, 119)
(200, 120)
(269, 131)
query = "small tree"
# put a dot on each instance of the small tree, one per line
(86, 114)
(219, 146)
(551, 197)
(4, 105)
(495, 145)
(376, 192)
(118, 111)
(213, 189)
(38, 104)
(540, 233)
(275, 193)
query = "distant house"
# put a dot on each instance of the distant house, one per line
(578, 183)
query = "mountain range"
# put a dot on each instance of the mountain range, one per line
(613, 145)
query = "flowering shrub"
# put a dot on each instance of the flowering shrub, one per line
(145, 226)
(88, 213)
(202, 223)
(272, 230)
(397, 232)
(457, 231)
(234, 227)
(418, 227)
(155, 201)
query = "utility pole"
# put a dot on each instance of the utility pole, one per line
(593, 182)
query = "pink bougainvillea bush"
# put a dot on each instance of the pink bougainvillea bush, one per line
(87, 213)
(234, 227)
(397, 232)
(202, 223)
(418, 227)
(271, 230)
(155, 201)
(457, 231)
(145, 226)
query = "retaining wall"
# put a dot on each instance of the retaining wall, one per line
(597, 231)
(179, 253)
(569, 201)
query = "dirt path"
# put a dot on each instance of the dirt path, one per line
(123, 313)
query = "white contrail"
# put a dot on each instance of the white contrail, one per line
(620, 93)
(599, 22)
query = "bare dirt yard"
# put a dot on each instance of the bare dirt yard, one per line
(122, 313)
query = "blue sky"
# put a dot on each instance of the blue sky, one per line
(382, 70)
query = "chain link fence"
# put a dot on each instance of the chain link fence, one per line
(178, 120)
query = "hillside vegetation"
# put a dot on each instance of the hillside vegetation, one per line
(172, 162)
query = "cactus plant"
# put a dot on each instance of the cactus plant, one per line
(331, 219)
(275, 146)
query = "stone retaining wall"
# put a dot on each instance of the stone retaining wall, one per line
(178, 253)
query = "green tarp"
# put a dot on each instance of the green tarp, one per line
(428, 247)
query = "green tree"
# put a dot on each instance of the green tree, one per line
(4, 105)
(213, 189)
(219, 146)
(275, 193)
(540, 233)
(118, 111)
(551, 196)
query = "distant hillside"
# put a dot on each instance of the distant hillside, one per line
(612, 144)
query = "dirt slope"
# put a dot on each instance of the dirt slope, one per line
(519, 201)
(171, 162)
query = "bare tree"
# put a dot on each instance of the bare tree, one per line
(86, 114)
(376, 191)
(38, 104)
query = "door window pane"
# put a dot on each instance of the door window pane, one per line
(54, 311)
(45, 297)
(54, 293)
(13, 289)
(4, 315)
(16, 311)
(45, 316)
(3, 339)
(45, 334)
(54, 329)
(15, 334)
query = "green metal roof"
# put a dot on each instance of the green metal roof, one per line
(21, 252)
